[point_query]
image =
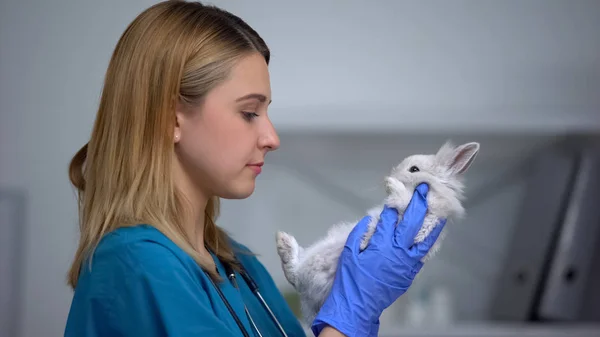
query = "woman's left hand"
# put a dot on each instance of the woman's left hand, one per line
(369, 281)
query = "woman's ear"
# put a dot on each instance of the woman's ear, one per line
(178, 120)
(176, 130)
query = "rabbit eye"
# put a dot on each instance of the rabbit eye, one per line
(413, 169)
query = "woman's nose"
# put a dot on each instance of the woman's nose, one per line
(269, 138)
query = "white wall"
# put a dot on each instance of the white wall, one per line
(502, 66)
(468, 64)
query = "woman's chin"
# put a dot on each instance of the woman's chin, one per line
(240, 191)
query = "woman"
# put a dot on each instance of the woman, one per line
(183, 122)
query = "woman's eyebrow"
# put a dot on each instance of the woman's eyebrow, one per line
(262, 98)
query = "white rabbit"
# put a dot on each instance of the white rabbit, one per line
(311, 270)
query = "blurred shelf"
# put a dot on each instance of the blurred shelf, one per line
(497, 330)
(493, 330)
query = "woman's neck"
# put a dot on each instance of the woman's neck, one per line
(193, 221)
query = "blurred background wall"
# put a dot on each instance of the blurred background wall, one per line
(357, 86)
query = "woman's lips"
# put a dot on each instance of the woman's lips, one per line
(257, 168)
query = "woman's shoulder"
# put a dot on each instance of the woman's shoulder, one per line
(136, 246)
(140, 283)
(132, 253)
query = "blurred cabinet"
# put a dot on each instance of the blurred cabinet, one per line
(552, 269)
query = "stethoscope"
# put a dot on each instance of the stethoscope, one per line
(254, 288)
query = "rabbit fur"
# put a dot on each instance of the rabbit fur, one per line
(311, 270)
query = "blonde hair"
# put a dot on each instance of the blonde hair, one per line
(174, 50)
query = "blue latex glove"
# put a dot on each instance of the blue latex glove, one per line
(368, 282)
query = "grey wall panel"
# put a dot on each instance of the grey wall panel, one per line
(12, 210)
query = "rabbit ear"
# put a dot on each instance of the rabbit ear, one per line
(463, 157)
(459, 159)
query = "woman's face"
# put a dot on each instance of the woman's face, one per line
(222, 143)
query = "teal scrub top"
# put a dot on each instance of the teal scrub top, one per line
(142, 284)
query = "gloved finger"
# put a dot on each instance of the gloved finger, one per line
(423, 247)
(384, 232)
(413, 217)
(357, 233)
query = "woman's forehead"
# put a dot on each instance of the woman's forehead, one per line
(248, 80)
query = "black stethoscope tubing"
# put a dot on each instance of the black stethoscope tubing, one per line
(254, 288)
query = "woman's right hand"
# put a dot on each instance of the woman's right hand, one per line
(369, 281)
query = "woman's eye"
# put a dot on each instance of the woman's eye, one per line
(250, 115)
(413, 169)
